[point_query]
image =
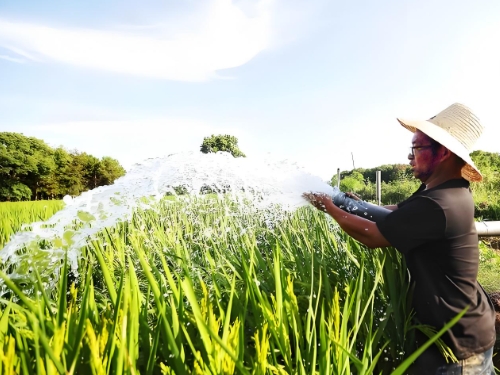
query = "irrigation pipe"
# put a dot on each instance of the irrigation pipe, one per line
(488, 228)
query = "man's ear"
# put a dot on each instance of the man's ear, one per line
(445, 153)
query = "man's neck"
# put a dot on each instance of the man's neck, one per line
(438, 178)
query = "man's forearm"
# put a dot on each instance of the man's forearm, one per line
(361, 229)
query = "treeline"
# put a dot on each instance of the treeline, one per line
(398, 183)
(30, 169)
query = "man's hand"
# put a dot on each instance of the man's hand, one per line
(320, 201)
(352, 196)
(361, 229)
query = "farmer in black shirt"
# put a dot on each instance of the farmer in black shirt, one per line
(434, 229)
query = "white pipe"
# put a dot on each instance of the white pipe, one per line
(378, 178)
(488, 228)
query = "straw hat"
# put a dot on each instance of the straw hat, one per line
(457, 129)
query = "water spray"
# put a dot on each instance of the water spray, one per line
(259, 184)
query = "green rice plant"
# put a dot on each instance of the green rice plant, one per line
(15, 215)
(210, 286)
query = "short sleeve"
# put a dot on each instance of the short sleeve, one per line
(418, 221)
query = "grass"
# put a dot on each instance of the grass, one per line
(15, 215)
(486, 199)
(212, 287)
(489, 267)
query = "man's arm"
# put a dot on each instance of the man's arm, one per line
(363, 230)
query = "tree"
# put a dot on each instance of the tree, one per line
(89, 166)
(109, 170)
(54, 185)
(72, 176)
(30, 169)
(390, 172)
(14, 191)
(24, 163)
(85, 172)
(216, 143)
(352, 183)
(487, 162)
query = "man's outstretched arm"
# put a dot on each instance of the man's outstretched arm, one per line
(363, 230)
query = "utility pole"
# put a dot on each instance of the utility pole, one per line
(352, 156)
(378, 175)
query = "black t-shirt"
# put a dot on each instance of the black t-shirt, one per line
(435, 231)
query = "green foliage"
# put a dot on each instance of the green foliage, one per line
(216, 143)
(30, 169)
(109, 170)
(15, 215)
(487, 162)
(353, 182)
(490, 267)
(398, 184)
(14, 191)
(389, 173)
(397, 191)
(208, 287)
(24, 162)
(486, 192)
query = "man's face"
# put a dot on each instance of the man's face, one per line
(423, 160)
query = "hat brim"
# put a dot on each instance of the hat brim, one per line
(470, 172)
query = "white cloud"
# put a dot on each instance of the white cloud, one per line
(226, 38)
(12, 59)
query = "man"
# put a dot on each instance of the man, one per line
(434, 229)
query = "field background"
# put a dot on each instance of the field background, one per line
(208, 286)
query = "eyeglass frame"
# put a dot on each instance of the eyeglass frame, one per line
(411, 155)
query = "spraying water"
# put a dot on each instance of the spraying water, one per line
(263, 182)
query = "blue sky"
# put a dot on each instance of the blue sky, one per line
(312, 81)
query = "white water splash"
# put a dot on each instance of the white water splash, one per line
(265, 182)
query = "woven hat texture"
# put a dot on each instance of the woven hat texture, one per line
(457, 129)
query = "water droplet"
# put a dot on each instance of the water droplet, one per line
(265, 183)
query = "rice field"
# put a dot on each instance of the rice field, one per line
(208, 286)
(13, 215)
